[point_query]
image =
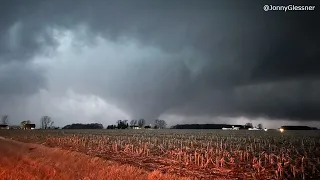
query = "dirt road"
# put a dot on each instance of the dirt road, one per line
(32, 162)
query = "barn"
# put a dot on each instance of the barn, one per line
(4, 126)
(29, 126)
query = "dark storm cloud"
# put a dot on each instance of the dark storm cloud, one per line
(247, 61)
(295, 100)
(22, 34)
(20, 79)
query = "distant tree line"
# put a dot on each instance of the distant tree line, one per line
(112, 127)
(123, 124)
(213, 126)
(47, 123)
(298, 128)
(84, 126)
(201, 126)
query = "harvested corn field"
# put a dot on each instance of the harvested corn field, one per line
(194, 154)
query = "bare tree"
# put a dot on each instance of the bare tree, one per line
(141, 123)
(119, 122)
(122, 124)
(160, 124)
(23, 124)
(5, 119)
(249, 125)
(133, 123)
(46, 122)
(156, 124)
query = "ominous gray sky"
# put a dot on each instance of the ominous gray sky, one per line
(184, 61)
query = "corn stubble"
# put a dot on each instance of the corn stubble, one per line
(202, 154)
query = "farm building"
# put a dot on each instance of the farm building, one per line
(232, 128)
(4, 126)
(29, 126)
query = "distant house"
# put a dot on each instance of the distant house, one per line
(232, 128)
(29, 126)
(4, 126)
(135, 127)
(254, 129)
(239, 126)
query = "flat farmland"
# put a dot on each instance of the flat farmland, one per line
(195, 154)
